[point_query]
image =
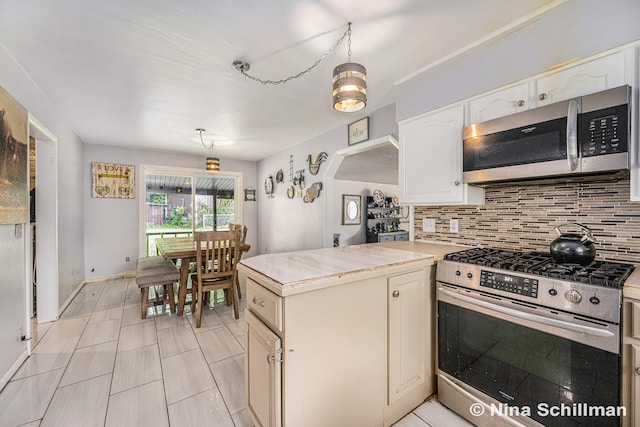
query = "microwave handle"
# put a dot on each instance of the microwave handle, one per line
(572, 135)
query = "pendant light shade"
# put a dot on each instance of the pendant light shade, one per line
(213, 164)
(349, 87)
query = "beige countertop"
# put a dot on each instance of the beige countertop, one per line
(632, 285)
(436, 249)
(289, 273)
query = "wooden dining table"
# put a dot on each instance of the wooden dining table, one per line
(183, 249)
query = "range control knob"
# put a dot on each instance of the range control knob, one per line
(553, 292)
(594, 300)
(458, 272)
(469, 275)
(573, 296)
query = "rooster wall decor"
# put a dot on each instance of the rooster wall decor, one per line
(314, 167)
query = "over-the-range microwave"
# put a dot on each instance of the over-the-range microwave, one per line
(586, 135)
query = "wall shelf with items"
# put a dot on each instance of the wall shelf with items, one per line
(383, 220)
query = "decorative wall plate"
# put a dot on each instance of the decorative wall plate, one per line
(268, 186)
(279, 176)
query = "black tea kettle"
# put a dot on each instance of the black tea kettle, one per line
(574, 248)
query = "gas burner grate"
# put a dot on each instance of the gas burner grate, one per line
(600, 273)
(500, 258)
(481, 256)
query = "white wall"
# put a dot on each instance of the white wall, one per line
(13, 262)
(355, 234)
(577, 29)
(114, 223)
(290, 224)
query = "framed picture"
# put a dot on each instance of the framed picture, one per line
(359, 131)
(112, 181)
(351, 211)
(14, 157)
(249, 194)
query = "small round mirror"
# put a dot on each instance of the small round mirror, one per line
(352, 210)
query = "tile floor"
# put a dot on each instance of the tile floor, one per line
(100, 364)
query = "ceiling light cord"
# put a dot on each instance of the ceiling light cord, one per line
(243, 66)
(212, 163)
(210, 147)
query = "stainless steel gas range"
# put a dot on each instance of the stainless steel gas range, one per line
(523, 340)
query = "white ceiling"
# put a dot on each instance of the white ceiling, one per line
(146, 74)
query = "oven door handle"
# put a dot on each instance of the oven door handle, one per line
(528, 316)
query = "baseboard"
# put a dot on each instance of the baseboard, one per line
(14, 368)
(128, 273)
(124, 274)
(71, 297)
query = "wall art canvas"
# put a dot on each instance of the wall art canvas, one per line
(13, 160)
(112, 181)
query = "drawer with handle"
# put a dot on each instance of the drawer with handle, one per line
(265, 304)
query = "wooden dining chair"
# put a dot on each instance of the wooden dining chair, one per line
(243, 236)
(216, 267)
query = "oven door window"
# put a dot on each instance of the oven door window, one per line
(520, 366)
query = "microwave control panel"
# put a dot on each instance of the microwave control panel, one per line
(604, 132)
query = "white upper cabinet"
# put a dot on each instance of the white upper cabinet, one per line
(593, 76)
(600, 74)
(499, 104)
(431, 144)
(430, 159)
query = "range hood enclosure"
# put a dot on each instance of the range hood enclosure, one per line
(374, 161)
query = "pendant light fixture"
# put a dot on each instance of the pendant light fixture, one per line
(349, 79)
(349, 84)
(213, 163)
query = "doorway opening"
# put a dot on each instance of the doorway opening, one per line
(42, 252)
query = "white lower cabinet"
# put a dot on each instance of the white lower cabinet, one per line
(631, 362)
(352, 354)
(263, 373)
(635, 385)
(406, 301)
(410, 341)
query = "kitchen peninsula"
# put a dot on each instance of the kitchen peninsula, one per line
(340, 336)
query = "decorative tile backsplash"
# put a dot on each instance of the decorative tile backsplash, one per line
(523, 217)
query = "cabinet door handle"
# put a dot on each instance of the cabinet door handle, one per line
(638, 371)
(456, 183)
(542, 96)
(255, 301)
(520, 102)
(396, 294)
(271, 359)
